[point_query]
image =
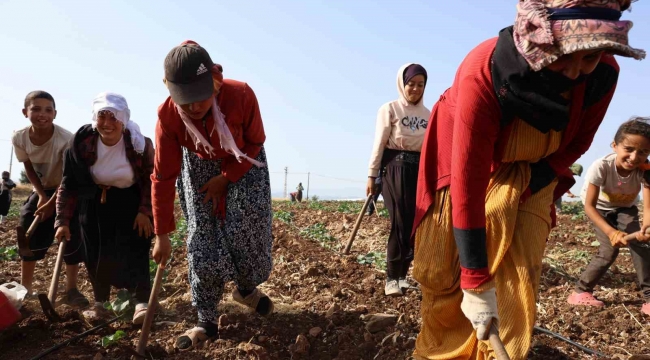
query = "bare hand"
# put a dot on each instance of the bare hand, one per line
(162, 250)
(46, 208)
(370, 186)
(214, 190)
(571, 195)
(143, 224)
(42, 200)
(641, 235)
(617, 239)
(63, 232)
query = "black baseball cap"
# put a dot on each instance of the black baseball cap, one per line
(188, 74)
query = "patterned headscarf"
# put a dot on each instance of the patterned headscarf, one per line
(544, 30)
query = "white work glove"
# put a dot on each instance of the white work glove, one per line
(481, 310)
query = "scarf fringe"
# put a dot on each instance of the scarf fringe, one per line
(227, 142)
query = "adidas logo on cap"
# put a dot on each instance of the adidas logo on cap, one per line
(202, 69)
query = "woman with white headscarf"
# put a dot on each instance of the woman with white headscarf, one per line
(106, 183)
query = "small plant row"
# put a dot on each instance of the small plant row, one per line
(319, 233)
(345, 207)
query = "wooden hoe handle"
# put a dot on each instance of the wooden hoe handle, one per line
(151, 309)
(632, 236)
(33, 226)
(54, 285)
(497, 345)
(356, 225)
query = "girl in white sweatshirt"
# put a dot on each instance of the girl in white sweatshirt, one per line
(395, 158)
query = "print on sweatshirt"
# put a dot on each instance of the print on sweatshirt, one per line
(414, 123)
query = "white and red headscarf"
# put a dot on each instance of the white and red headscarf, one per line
(225, 137)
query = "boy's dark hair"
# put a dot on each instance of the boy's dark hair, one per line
(637, 125)
(39, 94)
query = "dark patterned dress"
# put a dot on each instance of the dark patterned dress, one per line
(237, 249)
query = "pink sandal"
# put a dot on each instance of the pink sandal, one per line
(584, 298)
(646, 308)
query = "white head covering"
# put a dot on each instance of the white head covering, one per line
(116, 104)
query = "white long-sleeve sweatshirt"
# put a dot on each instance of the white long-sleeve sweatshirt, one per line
(400, 125)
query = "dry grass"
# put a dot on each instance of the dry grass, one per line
(22, 191)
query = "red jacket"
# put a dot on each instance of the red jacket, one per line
(464, 144)
(238, 103)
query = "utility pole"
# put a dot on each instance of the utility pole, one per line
(11, 158)
(308, 186)
(286, 172)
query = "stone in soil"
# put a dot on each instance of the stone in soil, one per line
(378, 322)
(262, 338)
(223, 321)
(334, 309)
(301, 346)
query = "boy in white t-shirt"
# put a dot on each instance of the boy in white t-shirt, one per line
(40, 147)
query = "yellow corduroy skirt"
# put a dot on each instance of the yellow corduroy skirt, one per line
(516, 237)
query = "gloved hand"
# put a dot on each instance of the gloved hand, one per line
(481, 310)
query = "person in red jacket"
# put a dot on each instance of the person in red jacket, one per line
(523, 107)
(224, 192)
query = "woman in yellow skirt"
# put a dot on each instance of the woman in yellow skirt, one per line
(523, 107)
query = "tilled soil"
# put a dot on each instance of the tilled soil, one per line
(322, 299)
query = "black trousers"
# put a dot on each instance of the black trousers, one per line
(116, 255)
(399, 186)
(626, 220)
(43, 236)
(5, 202)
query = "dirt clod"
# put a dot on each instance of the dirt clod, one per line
(253, 349)
(315, 331)
(313, 271)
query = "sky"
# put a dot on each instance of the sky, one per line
(320, 69)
